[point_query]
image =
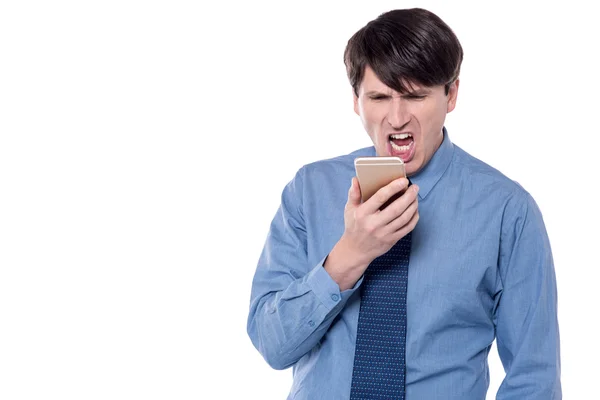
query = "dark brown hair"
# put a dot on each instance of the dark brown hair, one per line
(404, 46)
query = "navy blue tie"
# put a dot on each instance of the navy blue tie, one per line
(379, 359)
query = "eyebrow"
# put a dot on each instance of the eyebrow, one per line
(375, 93)
(418, 92)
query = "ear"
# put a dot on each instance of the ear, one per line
(452, 95)
(355, 99)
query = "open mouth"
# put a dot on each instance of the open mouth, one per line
(401, 141)
(402, 145)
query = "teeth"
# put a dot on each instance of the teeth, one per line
(401, 136)
(400, 148)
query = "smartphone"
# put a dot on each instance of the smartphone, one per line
(373, 173)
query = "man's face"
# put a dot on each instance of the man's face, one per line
(406, 125)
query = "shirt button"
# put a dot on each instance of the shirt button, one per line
(311, 323)
(335, 297)
(272, 310)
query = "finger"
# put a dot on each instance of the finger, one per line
(406, 229)
(398, 206)
(353, 194)
(383, 195)
(403, 219)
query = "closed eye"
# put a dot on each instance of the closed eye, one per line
(379, 97)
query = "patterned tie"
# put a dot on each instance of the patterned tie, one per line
(379, 358)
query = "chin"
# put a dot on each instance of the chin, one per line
(383, 152)
(412, 167)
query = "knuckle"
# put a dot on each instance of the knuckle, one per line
(398, 206)
(391, 240)
(369, 227)
(414, 209)
(414, 221)
(381, 196)
(399, 235)
(400, 220)
(405, 219)
(359, 215)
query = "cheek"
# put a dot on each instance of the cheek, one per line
(373, 112)
(433, 118)
(369, 117)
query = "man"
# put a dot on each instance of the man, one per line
(479, 265)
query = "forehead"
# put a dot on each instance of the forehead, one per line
(371, 82)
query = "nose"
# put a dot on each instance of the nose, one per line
(398, 115)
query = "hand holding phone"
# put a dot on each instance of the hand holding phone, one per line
(371, 229)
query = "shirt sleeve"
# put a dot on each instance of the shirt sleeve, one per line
(526, 311)
(292, 303)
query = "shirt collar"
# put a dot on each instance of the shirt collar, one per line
(427, 177)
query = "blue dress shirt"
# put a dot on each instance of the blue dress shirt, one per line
(480, 268)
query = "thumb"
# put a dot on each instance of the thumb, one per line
(354, 194)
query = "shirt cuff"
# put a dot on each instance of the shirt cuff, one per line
(326, 289)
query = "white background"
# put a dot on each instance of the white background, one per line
(144, 146)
